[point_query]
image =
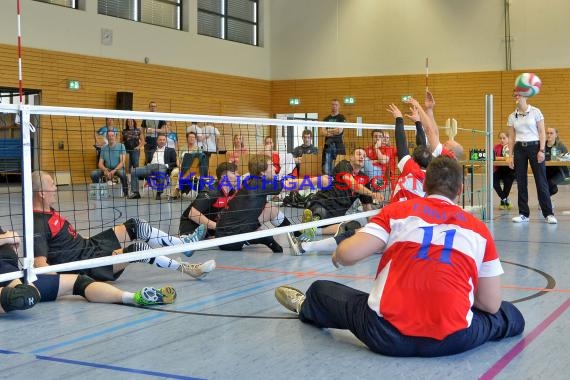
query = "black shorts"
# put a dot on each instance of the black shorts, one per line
(102, 245)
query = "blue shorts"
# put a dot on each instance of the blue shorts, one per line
(47, 284)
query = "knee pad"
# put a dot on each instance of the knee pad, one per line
(138, 229)
(20, 297)
(81, 283)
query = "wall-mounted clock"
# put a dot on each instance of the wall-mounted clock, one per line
(106, 37)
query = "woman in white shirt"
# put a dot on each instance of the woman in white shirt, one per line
(527, 140)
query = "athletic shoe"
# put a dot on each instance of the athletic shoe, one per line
(551, 219)
(197, 271)
(307, 218)
(274, 246)
(290, 297)
(503, 205)
(194, 237)
(521, 219)
(351, 225)
(295, 243)
(153, 296)
(508, 204)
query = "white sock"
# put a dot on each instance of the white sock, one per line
(128, 298)
(166, 262)
(325, 245)
(278, 219)
(163, 262)
(155, 237)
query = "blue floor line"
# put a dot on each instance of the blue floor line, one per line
(107, 366)
(198, 304)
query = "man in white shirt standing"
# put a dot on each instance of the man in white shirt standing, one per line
(162, 162)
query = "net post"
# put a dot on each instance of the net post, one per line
(27, 202)
(489, 162)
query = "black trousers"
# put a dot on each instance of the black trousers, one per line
(555, 176)
(523, 155)
(507, 176)
(329, 304)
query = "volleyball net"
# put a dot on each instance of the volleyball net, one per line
(69, 144)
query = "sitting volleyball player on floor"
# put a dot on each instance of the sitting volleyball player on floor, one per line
(56, 241)
(437, 289)
(15, 295)
(214, 197)
(243, 210)
(337, 199)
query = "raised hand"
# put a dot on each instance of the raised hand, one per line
(395, 111)
(414, 115)
(429, 100)
(414, 103)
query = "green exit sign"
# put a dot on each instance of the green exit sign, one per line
(294, 101)
(73, 84)
(349, 100)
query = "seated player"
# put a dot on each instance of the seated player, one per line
(211, 200)
(349, 183)
(14, 295)
(56, 241)
(412, 168)
(437, 289)
(243, 210)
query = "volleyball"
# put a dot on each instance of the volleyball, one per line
(527, 84)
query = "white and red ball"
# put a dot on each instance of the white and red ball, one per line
(527, 84)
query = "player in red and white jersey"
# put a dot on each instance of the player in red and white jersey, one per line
(409, 184)
(437, 290)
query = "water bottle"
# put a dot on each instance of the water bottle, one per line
(553, 152)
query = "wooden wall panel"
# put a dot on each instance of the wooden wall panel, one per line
(458, 95)
(175, 90)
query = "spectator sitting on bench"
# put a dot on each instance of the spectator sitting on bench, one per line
(112, 162)
(163, 161)
(195, 153)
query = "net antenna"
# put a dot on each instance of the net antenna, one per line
(26, 129)
(20, 85)
(427, 73)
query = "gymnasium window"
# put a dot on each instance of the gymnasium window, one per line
(167, 13)
(64, 3)
(233, 20)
